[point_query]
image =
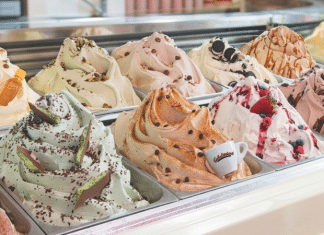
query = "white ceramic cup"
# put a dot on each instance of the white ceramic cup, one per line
(224, 158)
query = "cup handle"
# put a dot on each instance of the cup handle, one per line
(241, 154)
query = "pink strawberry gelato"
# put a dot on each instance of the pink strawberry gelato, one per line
(261, 116)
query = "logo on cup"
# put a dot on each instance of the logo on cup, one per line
(222, 156)
(223, 159)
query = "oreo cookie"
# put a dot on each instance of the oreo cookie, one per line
(218, 46)
(228, 53)
(250, 73)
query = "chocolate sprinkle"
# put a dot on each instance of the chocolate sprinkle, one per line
(157, 124)
(166, 72)
(201, 154)
(177, 57)
(213, 141)
(167, 170)
(160, 98)
(190, 132)
(194, 110)
(176, 146)
(153, 51)
(157, 152)
(126, 53)
(201, 136)
(186, 179)
(158, 39)
(178, 181)
(213, 122)
(167, 96)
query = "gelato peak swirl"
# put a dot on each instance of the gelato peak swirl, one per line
(167, 137)
(51, 192)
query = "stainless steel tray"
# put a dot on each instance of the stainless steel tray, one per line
(319, 136)
(278, 167)
(23, 223)
(153, 192)
(257, 167)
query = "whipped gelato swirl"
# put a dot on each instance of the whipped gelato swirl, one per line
(224, 64)
(167, 137)
(51, 194)
(18, 107)
(282, 51)
(306, 95)
(156, 62)
(261, 116)
(88, 73)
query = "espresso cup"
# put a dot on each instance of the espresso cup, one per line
(224, 158)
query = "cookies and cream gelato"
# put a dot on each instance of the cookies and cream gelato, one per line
(282, 51)
(62, 164)
(224, 64)
(89, 74)
(155, 62)
(167, 136)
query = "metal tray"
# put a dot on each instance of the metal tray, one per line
(23, 223)
(278, 167)
(257, 167)
(319, 135)
(156, 194)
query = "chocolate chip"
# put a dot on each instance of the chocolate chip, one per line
(6, 66)
(194, 110)
(213, 122)
(190, 132)
(158, 39)
(147, 102)
(157, 152)
(285, 84)
(177, 57)
(166, 72)
(167, 170)
(213, 141)
(167, 96)
(126, 53)
(248, 106)
(266, 81)
(189, 77)
(178, 181)
(74, 84)
(153, 51)
(201, 154)
(166, 125)
(84, 104)
(244, 66)
(150, 68)
(201, 136)
(176, 146)
(186, 179)
(160, 98)
(157, 124)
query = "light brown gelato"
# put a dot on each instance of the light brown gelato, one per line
(282, 51)
(167, 137)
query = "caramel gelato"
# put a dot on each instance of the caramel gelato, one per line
(282, 51)
(156, 62)
(167, 136)
(89, 74)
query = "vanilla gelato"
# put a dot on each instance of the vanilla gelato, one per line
(156, 62)
(261, 116)
(50, 188)
(224, 64)
(89, 74)
(18, 107)
(315, 43)
(282, 51)
(167, 137)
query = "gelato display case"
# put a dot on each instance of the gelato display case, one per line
(274, 198)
